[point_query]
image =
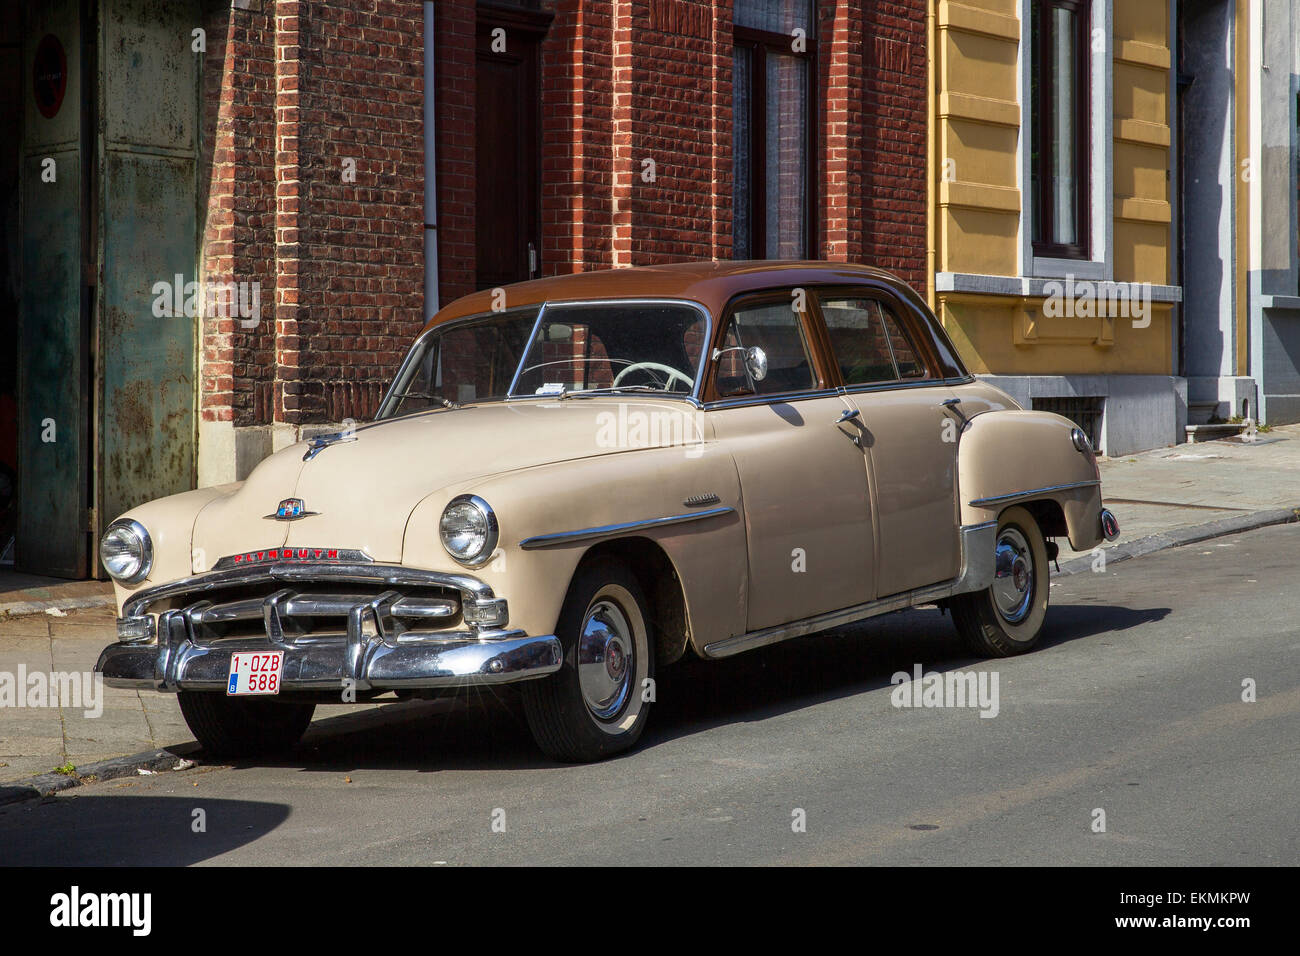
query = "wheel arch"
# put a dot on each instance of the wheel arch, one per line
(662, 584)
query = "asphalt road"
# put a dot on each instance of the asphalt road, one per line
(1133, 706)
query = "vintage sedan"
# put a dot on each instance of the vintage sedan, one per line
(576, 481)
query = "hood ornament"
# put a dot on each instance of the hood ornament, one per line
(291, 509)
(321, 442)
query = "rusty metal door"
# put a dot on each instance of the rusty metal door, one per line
(149, 251)
(53, 351)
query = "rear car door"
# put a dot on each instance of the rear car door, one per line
(909, 434)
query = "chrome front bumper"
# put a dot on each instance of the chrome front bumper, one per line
(183, 665)
(381, 642)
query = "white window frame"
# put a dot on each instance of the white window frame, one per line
(1101, 202)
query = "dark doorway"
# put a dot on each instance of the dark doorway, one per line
(11, 94)
(1206, 187)
(508, 156)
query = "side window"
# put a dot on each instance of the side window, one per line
(870, 343)
(778, 330)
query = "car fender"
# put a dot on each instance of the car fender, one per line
(606, 498)
(1007, 458)
(170, 523)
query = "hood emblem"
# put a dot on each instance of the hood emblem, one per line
(291, 509)
(321, 442)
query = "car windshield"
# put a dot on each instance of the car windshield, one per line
(577, 348)
(614, 346)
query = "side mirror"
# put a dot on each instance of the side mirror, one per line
(755, 360)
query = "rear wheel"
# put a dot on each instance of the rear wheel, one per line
(1007, 617)
(595, 706)
(241, 726)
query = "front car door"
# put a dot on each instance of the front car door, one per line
(893, 380)
(802, 475)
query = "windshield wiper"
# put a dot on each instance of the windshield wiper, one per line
(579, 393)
(444, 402)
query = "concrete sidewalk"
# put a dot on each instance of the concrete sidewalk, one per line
(1162, 498)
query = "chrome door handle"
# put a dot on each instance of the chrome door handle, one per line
(950, 402)
(848, 415)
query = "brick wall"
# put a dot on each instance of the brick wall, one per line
(238, 193)
(636, 168)
(314, 163)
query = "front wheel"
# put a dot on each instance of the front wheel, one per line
(242, 726)
(597, 704)
(1007, 617)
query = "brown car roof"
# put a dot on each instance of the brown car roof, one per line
(709, 283)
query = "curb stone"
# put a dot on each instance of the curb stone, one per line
(46, 784)
(25, 608)
(1178, 537)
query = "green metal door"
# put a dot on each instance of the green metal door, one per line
(53, 349)
(149, 73)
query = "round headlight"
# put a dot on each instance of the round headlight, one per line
(126, 551)
(469, 529)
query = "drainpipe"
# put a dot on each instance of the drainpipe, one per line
(430, 172)
(930, 153)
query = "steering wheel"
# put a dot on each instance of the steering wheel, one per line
(668, 370)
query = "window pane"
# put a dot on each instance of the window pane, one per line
(787, 166)
(1058, 93)
(869, 342)
(598, 346)
(742, 158)
(777, 330)
(858, 340)
(776, 16)
(469, 362)
(906, 359)
(1064, 133)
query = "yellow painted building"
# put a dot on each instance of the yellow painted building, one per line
(1052, 232)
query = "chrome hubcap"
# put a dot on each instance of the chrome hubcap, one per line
(1013, 582)
(606, 660)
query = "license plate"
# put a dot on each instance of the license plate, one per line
(255, 672)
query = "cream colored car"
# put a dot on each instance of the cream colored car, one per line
(576, 481)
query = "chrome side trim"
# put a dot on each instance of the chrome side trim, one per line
(587, 534)
(783, 399)
(978, 547)
(788, 397)
(373, 574)
(1025, 495)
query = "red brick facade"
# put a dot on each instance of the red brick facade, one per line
(315, 190)
(635, 168)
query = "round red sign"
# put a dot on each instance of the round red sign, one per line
(49, 75)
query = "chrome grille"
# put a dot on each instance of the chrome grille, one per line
(292, 615)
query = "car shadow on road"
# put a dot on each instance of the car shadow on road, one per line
(483, 728)
(855, 659)
(124, 830)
